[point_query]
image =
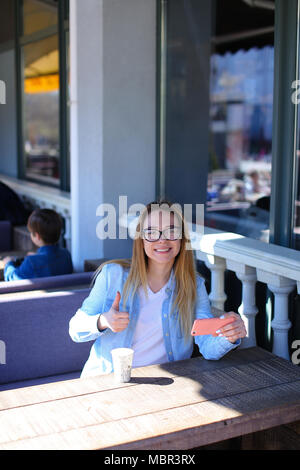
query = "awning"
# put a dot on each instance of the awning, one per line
(42, 84)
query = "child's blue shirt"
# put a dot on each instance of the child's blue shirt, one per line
(49, 260)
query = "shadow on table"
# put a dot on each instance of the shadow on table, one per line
(152, 380)
(238, 382)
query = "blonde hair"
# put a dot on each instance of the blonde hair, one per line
(184, 268)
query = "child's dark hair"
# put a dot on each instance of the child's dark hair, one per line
(47, 223)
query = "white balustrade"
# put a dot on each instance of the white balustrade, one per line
(204, 248)
(253, 260)
(281, 288)
(247, 309)
(217, 296)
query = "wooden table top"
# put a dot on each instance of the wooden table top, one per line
(179, 405)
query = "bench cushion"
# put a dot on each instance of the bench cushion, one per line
(49, 282)
(34, 327)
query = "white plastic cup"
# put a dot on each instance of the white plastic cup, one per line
(122, 363)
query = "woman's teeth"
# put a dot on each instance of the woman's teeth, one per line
(163, 250)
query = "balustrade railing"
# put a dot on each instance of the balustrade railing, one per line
(251, 260)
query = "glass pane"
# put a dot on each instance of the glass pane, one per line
(241, 108)
(41, 110)
(219, 105)
(38, 15)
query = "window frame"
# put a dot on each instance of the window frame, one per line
(285, 123)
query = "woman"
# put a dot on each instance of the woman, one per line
(149, 303)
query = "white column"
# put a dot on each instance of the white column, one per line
(113, 89)
(86, 127)
(281, 288)
(217, 294)
(247, 309)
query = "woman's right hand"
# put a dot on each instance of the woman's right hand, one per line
(114, 319)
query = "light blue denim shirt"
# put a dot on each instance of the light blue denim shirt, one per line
(83, 325)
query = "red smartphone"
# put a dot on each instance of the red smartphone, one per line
(209, 326)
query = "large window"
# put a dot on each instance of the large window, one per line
(217, 67)
(241, 109)
(42, 46)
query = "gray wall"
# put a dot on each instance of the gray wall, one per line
(8, 123)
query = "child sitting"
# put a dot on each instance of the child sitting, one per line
(50, 259)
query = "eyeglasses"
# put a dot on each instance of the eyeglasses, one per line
(153, 235)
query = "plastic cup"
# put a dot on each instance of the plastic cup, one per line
(122, 363)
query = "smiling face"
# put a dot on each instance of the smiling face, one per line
(162, 251)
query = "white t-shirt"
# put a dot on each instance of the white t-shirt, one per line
(148, 343)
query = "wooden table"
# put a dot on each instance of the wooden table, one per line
(180, 405)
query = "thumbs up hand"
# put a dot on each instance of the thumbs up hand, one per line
(116, 302)
(114, 319)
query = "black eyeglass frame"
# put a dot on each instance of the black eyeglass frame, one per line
(161, 232)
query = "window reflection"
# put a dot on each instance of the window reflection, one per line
(239, 181)
(41, 110)
(218, 105)
(241, 112)
(38, 15)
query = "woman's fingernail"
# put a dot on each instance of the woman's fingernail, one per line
(220, 334)
(218, 331)
(222, 316)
